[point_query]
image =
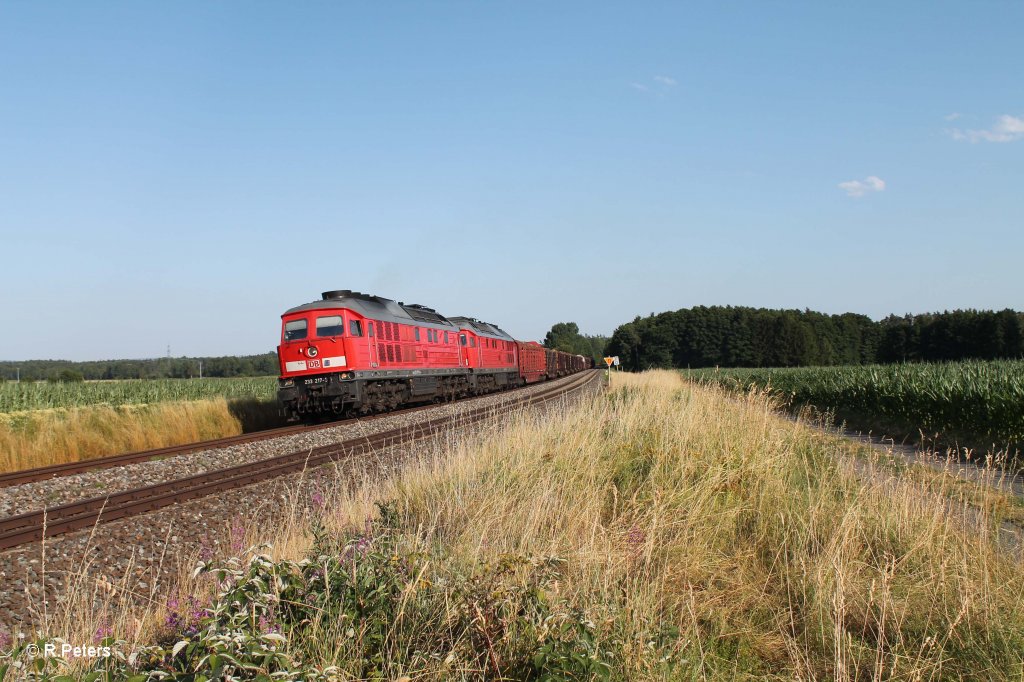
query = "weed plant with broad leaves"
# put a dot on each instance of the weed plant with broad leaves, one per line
(380, 601)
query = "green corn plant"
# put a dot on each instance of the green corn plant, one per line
(984, 400)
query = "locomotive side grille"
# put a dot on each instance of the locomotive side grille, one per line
(391, 352)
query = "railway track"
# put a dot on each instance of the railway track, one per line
(71, 468)
(35, 526)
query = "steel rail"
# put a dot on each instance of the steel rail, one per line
(34, 526)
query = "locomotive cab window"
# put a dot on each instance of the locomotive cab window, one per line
(472, 342)
(446, 337)
(417, 333)
(369, 325)
(462, 339)
(294, 329)
(355, 328)
(330, 325)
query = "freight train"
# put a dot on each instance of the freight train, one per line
(354, 353)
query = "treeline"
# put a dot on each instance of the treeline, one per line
(154, 368)
(957, 335)
(565, 336)
(758, 337)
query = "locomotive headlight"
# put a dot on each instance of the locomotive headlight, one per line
(312, 351)
(287, 383)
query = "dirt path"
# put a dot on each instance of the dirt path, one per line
(1003, 479)
(1010, 535)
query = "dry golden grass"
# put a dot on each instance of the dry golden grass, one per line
(705, 537)
(709, 537)
(45, 437)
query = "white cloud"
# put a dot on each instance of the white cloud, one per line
(661, 85)
(952, 117)
(1006, 129)
(858, 188)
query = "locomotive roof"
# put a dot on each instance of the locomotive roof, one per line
(376, 308)
(481, 328)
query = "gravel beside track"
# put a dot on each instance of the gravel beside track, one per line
(138, 557)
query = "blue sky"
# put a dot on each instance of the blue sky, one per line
(180, 173)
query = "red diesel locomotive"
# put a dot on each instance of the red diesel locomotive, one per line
(356, 353)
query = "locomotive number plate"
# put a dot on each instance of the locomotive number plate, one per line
(316, 380)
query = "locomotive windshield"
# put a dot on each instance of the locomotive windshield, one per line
(330, 325)
(294, 329)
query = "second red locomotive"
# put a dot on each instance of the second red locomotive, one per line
(353, 352)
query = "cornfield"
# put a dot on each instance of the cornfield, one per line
(972, 399)
(16, 397)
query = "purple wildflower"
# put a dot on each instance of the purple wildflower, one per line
(5, 641)
(267, 624)
(357, 548)
(184, 617)
(205, 550)
(103, 631)
(635, 538)
(238, 536)
(173, 619)
(318, 500)
(195, 609)
(196, 613)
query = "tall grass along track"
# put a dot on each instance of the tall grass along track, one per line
(71, 468)
(34, 526)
